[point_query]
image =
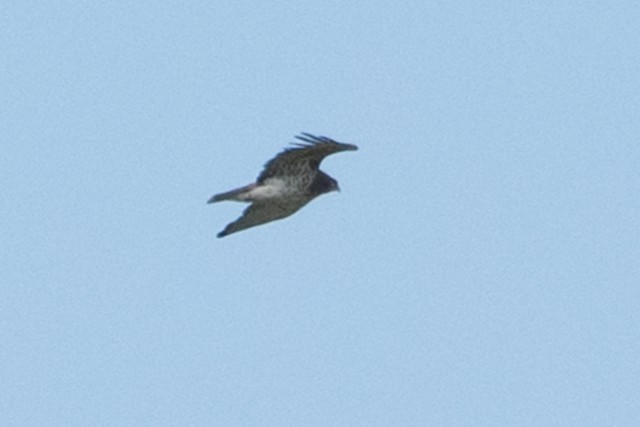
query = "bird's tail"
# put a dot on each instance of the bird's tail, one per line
(232, 195)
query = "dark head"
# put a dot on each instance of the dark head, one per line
(322, 184)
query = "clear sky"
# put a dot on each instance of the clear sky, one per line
(481, 266)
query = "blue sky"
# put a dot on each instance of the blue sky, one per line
(479, 268)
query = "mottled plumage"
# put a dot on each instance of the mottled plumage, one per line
(287, 183)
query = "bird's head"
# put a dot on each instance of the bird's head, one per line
(322, 184)
(333, 185)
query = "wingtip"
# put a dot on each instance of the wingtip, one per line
(310, 136)
(307, 138)
(314, 139)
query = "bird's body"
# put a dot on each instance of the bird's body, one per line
(288, 182)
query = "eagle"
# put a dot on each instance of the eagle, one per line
(287, 183)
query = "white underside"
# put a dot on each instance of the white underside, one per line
(264, 192)
(272, 188)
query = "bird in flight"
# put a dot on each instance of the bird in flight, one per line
(287, 183)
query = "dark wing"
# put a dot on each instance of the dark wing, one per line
(303, 157)
(263, 212)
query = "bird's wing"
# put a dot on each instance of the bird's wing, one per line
(263, 212)
(303, 157)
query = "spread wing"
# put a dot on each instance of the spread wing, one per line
(304, 157)
(263, 212)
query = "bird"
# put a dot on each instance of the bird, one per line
(287, 183)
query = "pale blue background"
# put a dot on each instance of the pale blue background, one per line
(481, 266)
